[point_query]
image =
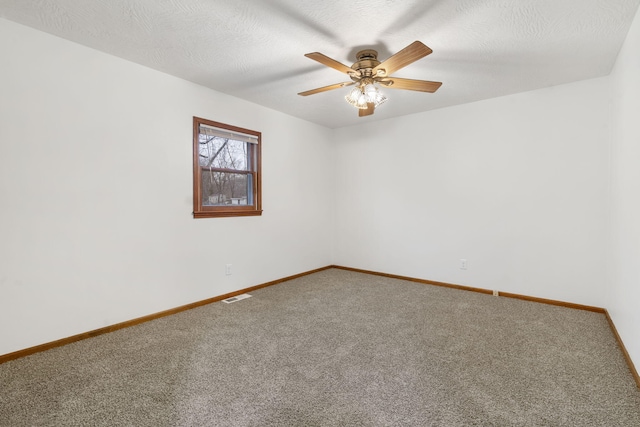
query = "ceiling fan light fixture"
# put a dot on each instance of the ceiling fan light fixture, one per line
(353, 95)
(362, 102)
(362, 95)
(379, 99)
(370, 90)
(356, 98)
(374, 95)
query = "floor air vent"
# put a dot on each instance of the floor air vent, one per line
(236, 298)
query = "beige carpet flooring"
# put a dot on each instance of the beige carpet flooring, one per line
(336, 348)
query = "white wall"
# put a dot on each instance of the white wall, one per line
(624, 293)
(96, 193)
(516, 185)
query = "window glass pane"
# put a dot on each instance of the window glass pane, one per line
(223, 153)
(225, 189)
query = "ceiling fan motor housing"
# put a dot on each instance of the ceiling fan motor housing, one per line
(367, 61)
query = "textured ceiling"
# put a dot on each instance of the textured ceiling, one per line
(254, 49)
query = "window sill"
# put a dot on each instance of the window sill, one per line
(226, 213)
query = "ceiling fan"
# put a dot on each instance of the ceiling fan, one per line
(367, 72)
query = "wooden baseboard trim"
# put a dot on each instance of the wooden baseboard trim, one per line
(554, 302)
(68, 340)
(625, 353)
(413, 279)
(479, 290)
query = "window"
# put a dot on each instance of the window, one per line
(226, 170)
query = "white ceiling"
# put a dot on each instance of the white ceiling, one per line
(254, 49)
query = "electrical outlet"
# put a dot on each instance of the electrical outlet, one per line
(463, 264)
(227, 269)
(496, 293)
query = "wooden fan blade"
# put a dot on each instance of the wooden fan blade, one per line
(325, 88)
(419, 85)
(406, 56)
(366, 111)
(325, 60)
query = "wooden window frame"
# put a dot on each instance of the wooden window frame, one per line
(254, 170)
